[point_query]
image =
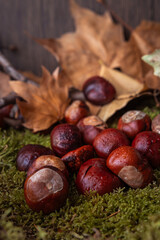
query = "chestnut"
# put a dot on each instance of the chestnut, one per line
(64, 138)
(47, 160)
(156, 124)
(90, 127)
(98, 90)
(108, 140)
(127, 163)
(74, 159)
(93, 175)
(76, 111)
(148, 144)
(133, 122)
(4, 112)
(46, 190)
(29, 153)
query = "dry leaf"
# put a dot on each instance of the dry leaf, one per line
(124, 93)
(96, 38)
(5, 88)
(44, 104)
(144, 39)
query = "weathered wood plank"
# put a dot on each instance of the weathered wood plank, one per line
(48, 18)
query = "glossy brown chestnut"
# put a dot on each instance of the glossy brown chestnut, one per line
(156, 124)
(64, 138)
(74, 159)
(98, 90)
(108, 140)
(47, 160)
(46, 190)
(4, 112)
(148, 144)
(133, 122)
(76, 111)
(27, 155)
(93, 175)
(90, 127)
(127, 163)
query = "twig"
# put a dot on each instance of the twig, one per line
(9, 69)
(14, 74)
(9, 99)
(113, 214)
(155, 95)
(15, 123)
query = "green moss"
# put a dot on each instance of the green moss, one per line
(123, 214)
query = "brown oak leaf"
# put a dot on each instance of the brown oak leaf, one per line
(44, 104)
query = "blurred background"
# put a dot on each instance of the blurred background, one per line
(51, 18)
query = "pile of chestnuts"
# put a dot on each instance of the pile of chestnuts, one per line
(102, 158)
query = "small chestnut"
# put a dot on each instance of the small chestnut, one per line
(98, 90)
(127, 163)
(46, 190)
(47, 160)
(133, 122)
(156, 124)
(29, 153)
(93, 175)
(74, 159)
(90, 127)
(148, 144)
(76, 111)
(64, 138)
(108, 140)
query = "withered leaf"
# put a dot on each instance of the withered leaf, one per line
(5, 87)
(144, 40)
(96, 38)
(124, 93)
(44, 104)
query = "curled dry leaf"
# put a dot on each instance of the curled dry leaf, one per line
(124, 94)
(44, 104)
(5, 87)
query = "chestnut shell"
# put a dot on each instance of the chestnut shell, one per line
(148, 144)
(47, 160)
(74, 159)
(133, 122)
(64, 138)
(29, 153)
(127, 163)
(98, 90)
(46, 190)
(108, 140)
(93, 175)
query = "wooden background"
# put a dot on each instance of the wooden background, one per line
(51, 18)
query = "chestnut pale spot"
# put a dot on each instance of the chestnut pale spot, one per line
(94, 121)
(57, 162)
(132, 116)
(45, 181)
(131, 176)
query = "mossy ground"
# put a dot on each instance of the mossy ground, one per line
(123, 214)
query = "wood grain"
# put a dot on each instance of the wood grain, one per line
(51, 18)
